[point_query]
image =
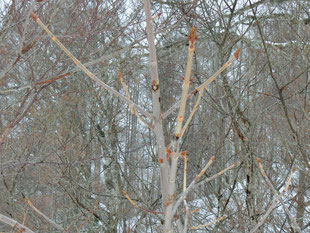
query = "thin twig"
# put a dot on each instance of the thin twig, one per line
(57, 226)
(205, 168)
(217, 174)
(133, 111)
(191, 186)
(205, 84)
(292, 219)
(126, 91)
(275, 201)
(15, 224)
(208, 224)
(20, 116)
(185, 170)
(139, 207)
(192, 38)
(86, 71)
(87, 219)
(194, 182)
(187, 213)
(192, 113)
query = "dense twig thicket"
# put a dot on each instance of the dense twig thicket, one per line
(170, 132)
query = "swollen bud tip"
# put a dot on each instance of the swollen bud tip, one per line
(34, 17)
(192, 37)
(236, 54)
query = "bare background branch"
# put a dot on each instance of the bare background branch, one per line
(72, 148)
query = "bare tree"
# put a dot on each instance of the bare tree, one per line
(137, 147)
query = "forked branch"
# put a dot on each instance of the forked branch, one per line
(292, 219)
(275, 201)
(205, 84)
(196, 179)
(191, 186)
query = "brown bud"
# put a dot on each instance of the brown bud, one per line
(34, 17)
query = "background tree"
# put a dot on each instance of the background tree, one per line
(72, 148)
